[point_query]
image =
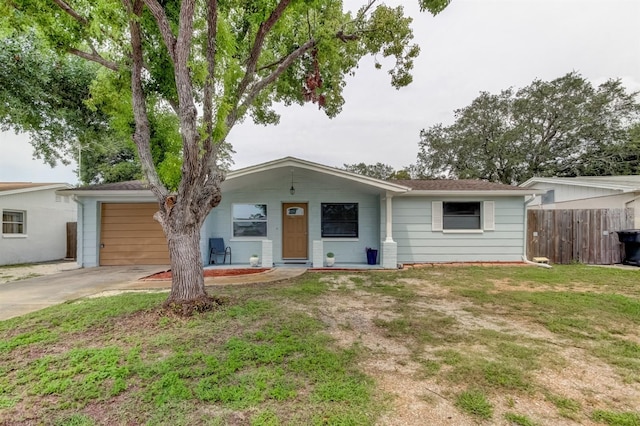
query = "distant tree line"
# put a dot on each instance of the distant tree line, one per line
(565, 127)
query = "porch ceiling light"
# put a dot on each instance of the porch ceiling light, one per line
(292, 190)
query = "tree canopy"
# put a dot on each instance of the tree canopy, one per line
(378, 171)
(44, 95)
(563, 127)
(203, 67)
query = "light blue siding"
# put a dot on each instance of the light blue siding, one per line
(417, 243)
(310, 189)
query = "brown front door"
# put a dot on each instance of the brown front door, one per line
(294, 231)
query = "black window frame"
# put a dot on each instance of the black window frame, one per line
(330, 221)
(453, 220)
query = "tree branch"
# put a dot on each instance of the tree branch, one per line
(163, 25)
(142, 134)
(94, 57)
(264, 29)
(262, 84)
(210, 54)
(69, 11)
(191, 166)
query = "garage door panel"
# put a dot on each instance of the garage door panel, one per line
(138, 254)
(131, 209)
(130, 219)
(130, 236)
(144, 227)
(123, 244)
(128, 233)
(133, 260)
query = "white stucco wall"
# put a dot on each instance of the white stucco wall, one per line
(46, 230)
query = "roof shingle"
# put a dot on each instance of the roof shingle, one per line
(455, 185)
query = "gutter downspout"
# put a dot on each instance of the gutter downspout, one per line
(526, 227)
(79, 231)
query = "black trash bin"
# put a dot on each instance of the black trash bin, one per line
(372, 256)
(631, 240)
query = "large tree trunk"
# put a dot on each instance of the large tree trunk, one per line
(186, 263)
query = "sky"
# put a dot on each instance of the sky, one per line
(472, 46)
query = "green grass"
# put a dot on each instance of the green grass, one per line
(519, 419)
(567, 407)
(616, 418)
(16, 265)
(266, 358)
(253, 354)
(475, 403)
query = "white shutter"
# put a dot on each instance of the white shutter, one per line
(436, 215)
(489, 215)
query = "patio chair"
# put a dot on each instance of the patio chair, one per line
(216, 249)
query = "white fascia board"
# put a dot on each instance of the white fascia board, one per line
(496, 193)
(58, 186)
(578, 182)
(320, 168)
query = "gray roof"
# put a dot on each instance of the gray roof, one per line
(12, 186)
(130, 185)
(414, 184)
(455, 185)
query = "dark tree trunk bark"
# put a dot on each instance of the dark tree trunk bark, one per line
(186, 263)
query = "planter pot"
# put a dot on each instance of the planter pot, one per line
(330, 261)
(254, 260)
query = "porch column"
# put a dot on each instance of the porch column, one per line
(389, 218)
(267, 253)
(318, 254)
(389, 247)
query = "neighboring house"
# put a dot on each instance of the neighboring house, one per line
(295, 211)
(34, 222)
(587, 192)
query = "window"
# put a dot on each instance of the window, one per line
(249, 220)
(13, 222)
(549, 197)
(461, 215)
(339, 220)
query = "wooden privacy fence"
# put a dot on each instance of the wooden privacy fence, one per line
(72, 241)
(585, 236)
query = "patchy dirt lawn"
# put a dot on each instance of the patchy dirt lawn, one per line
(559, 380)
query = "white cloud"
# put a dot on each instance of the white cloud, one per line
(18, 165)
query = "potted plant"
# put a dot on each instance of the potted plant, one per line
(331, 259)
(253, 260)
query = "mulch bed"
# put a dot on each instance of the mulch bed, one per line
(211, 273)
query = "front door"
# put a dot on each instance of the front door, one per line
(294, 231)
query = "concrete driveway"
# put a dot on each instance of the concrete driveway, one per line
(28, 295)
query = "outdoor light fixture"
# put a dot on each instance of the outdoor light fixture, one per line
(292, 190)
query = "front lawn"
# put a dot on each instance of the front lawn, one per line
(438, 345)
